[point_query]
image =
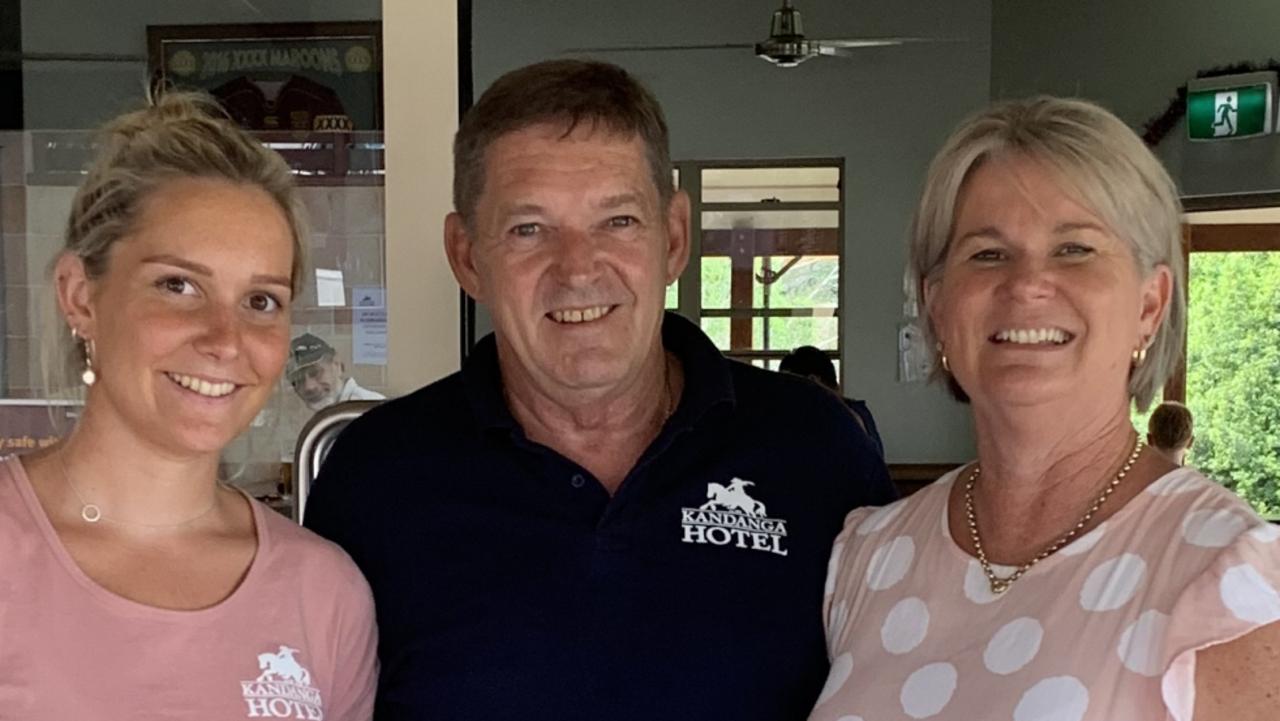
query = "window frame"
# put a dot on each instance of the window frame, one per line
(689, 173)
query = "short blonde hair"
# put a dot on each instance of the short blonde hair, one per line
(178, 135)
(1099, 160)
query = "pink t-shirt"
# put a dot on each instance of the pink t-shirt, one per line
(1105, 629)
(295, 640)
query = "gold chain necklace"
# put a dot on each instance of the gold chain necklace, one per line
(1000, 585)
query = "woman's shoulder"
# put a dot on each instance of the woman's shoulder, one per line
(303, 552)
(1196, 510)
(922, 507)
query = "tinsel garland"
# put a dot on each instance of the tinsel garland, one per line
(1158, 127)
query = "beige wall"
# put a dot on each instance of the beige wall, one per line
(421, 91)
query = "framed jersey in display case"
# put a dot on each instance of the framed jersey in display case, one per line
(278, 76)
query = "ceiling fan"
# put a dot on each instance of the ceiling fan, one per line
(786, 45)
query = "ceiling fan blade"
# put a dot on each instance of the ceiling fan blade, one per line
(874, 42)
(649, 48)
(833, 51)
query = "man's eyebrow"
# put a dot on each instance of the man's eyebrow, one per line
(617, 201)
(523, 209)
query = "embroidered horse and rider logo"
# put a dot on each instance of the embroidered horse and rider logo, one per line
(732, 517)
(732, 498)
(283, 688)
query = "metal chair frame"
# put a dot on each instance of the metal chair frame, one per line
(314, 442)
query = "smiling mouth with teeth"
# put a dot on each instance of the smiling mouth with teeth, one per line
(201, 386)
(1033, 336)
(580, 315)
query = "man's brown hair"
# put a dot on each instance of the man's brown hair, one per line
(1170, 426)
(566, 91)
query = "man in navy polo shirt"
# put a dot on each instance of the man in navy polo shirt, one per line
(599, 517)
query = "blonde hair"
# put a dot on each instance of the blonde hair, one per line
(178, 135)
(1096, 157)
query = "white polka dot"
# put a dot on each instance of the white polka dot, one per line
(976, 586)
(1085, 542)
(890, 563)
(1248, 595)
(928, 690)
(1061, 698)
(1141, 642)
(839, 617)
(905, 626)
(1171, 484)
(1265, 532)
(879, 519)
(1213, 529)
(1113, 583)
(1013, 646)
(832, 564)
(839, 673)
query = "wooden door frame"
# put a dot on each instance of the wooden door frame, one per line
(1219, 238)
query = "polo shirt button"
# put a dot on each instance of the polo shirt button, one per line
(577, 481)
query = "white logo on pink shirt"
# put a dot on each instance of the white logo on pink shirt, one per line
(283, 689)
(732, 516)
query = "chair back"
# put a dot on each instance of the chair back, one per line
(314, 442)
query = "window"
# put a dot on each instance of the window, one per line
(1232, 378)
(766, 268)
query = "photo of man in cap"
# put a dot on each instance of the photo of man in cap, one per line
(319, 378)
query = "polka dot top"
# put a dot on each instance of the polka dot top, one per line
(1107, 628)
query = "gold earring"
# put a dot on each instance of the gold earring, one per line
(88, 377)
(1139, 356)
(942, 358)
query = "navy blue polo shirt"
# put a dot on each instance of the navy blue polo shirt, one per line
(509, 584)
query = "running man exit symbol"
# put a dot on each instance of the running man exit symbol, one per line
(1226, 111)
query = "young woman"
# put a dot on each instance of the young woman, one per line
(133, 584)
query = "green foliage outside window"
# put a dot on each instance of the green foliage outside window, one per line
(1233, 373)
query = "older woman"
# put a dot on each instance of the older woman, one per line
(132, 584)
(1069, 573)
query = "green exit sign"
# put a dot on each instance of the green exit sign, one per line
(1229, 110)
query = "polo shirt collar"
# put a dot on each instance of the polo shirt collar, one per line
(708, 381)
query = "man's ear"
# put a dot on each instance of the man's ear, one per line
(677, 235)
(74, 291)
(458, 247)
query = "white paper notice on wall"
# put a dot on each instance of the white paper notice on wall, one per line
(329, 288)
(369, 325)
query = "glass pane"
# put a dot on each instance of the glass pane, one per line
(1233, 372)
(715, 282)
(790, 333)
(303, 77)
(769, 219)
(797, 282)
(673, 296)
(717, 329)
(753, 185)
